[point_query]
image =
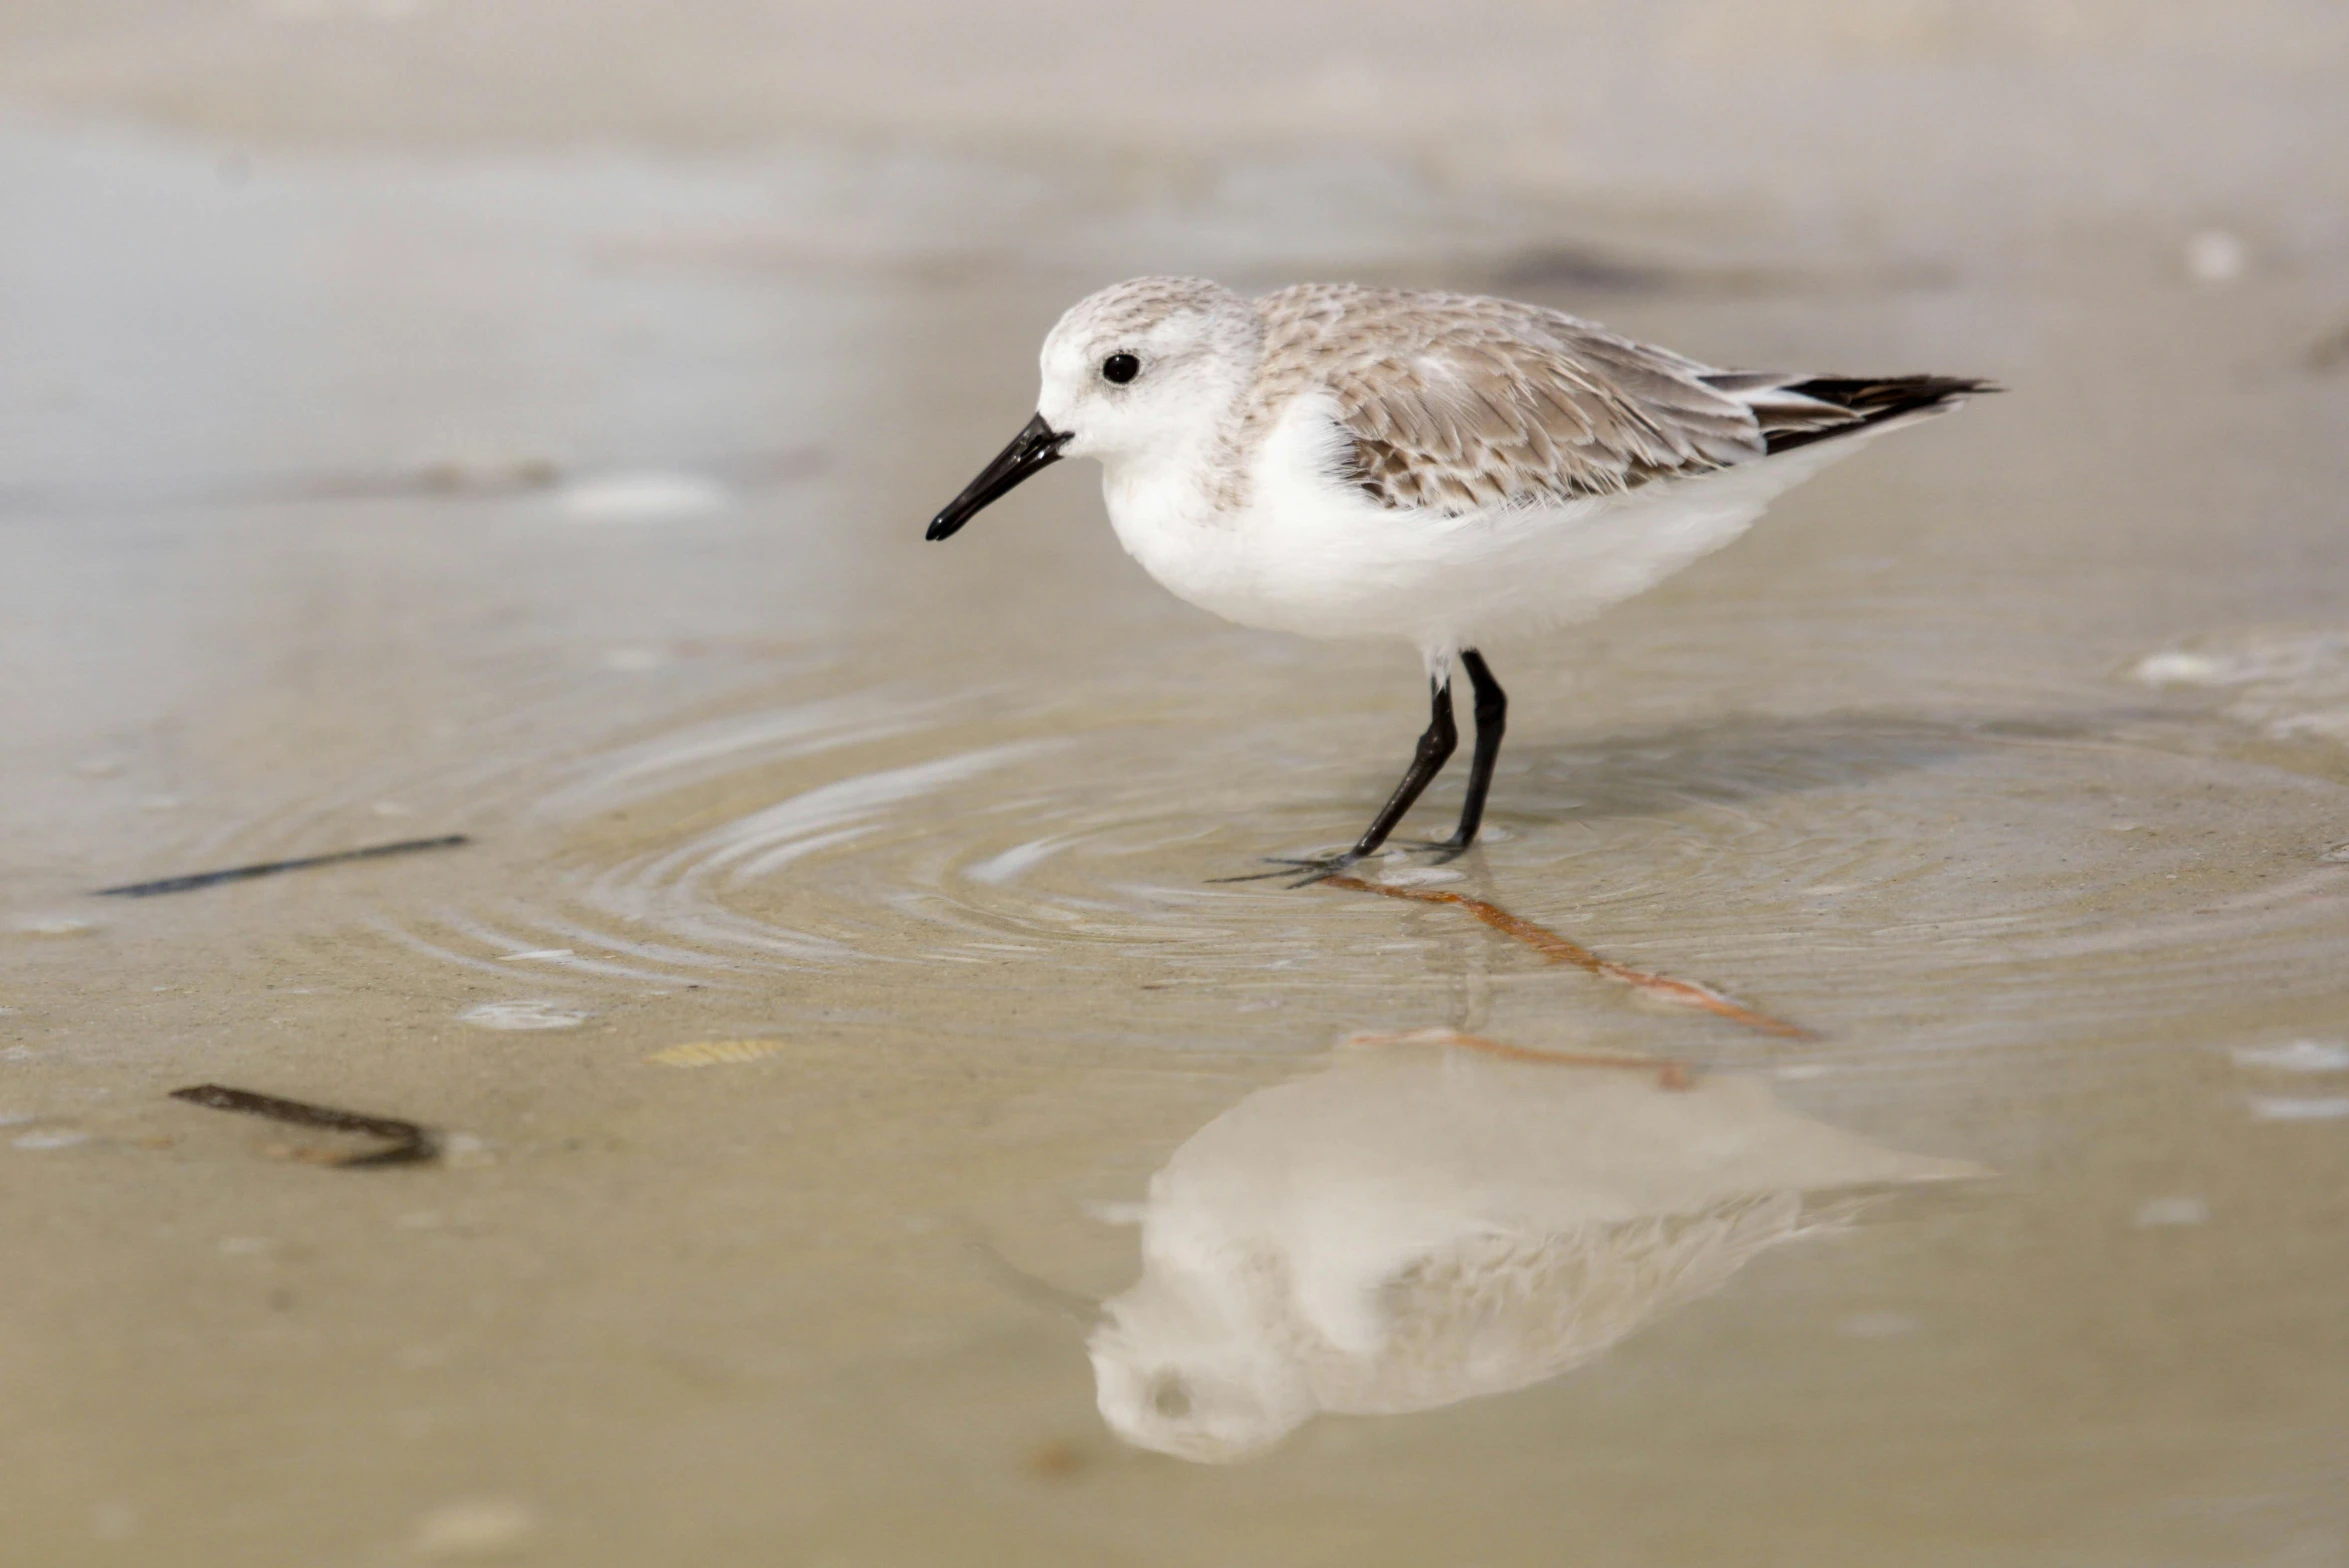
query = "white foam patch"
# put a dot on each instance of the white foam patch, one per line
(2299, 1108)
(2289, 685)
(2179, 669)
(649, 496)
(522, 1015)
(2295, 1056)
(2216, 256)
(477, 1527)
(2156, 1213)
(466, 1151)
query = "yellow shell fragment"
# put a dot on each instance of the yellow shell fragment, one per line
(711, 1053)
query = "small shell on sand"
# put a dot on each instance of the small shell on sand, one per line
(55, 926)
(478, 1527)
(712, 1053)
(2156, 1213)
(522, 1015)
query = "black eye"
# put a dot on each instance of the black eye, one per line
(1120, 368)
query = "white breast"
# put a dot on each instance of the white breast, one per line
(1308, 553)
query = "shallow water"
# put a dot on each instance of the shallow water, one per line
(835, 955)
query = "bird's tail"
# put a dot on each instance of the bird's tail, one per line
(1798, 410)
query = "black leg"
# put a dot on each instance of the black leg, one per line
(1436, 746)
(1492, 718)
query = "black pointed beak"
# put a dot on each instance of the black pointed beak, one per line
(1037, 446)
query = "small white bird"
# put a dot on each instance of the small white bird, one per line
(1340, 461)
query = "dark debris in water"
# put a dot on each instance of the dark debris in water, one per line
(270, 868)
(443, 479)
(1586, 268)
(2330, 352)
(410, 1143)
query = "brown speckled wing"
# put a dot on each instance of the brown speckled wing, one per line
(1455, 402)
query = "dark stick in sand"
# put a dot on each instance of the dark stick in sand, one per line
(270, 868)
(410, 1142)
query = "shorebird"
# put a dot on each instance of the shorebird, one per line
(1339, 461)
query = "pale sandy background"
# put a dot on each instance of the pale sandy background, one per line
(517, 418)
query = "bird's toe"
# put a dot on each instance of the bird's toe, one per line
(1314, 868)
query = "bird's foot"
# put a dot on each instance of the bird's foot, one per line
(1316, 868)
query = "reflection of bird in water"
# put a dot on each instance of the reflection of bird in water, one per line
(1424, 1223)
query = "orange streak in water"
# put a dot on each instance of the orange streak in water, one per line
(1559, 950)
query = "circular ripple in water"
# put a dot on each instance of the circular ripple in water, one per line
(1951, 882)
(873, 830)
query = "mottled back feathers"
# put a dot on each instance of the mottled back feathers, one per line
(1455, 403)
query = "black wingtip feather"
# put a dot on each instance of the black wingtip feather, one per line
(1872, 400)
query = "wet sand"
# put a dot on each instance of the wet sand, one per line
(371, 480)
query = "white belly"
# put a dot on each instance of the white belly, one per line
(1318, 557)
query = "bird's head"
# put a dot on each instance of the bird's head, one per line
(1146, 368)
